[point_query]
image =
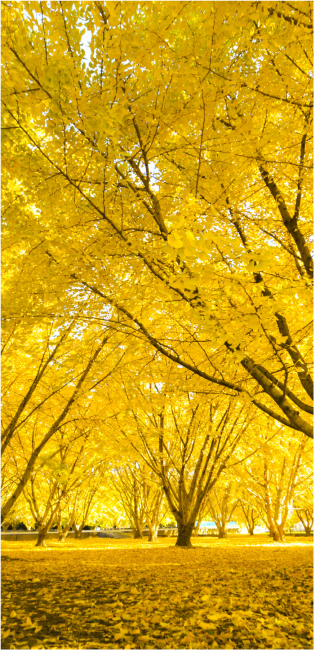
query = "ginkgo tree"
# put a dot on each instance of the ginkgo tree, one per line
(186, 440)
(151, 180)
(303, 506)
(222, 502)
(275, 476)
(247, 512)
(141, 496)
(53, 387)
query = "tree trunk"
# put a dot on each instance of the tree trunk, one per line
(41, 539)
(63, 533)
(307, 522)
(137, 534)
(152, 537)
(251, 531)
(221, 527)
(59, 523)
(278, 536)
(43, 529)
(196, 528)
(153, 513)
(78, 530)
(184, 535)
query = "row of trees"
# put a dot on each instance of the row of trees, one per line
(157, 268)
(134, 497)
(160, 449)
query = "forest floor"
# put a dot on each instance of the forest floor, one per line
(238, 592)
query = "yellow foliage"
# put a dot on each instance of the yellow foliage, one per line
(233, 593)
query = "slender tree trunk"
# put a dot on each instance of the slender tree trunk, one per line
(184, 535)
(59, 524)
(153, 533)
(63, 534)
(196, 528)
(153, 516)
(249, 518)
(307, 522)
(76, 530)
(281, 533)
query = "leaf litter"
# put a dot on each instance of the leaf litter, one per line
(233, 593)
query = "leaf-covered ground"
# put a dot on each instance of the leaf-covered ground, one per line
(235, 593)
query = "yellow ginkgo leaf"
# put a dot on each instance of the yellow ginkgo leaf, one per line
(174, 240)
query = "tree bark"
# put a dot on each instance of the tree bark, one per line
(152, 537)
(184, 535)
(41, 539)
(63, 533)
(153, 512)
(137, 534)
(306, 520)
(250, 520)
(195, 532)
(278, 536)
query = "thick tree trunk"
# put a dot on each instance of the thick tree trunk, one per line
(152, 537)
(41, 539)
(137, 534)
(184, 535)
(251, 531)
(222, 534)
(308, 530)
(278, 536)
